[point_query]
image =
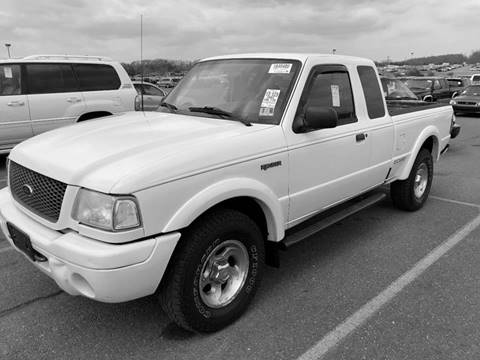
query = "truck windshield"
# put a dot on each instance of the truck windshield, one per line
(419, 84)
(394, 89)
(250, 90)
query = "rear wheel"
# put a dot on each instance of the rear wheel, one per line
(215, 272)
(411, 194)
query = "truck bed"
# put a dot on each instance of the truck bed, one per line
(398, 107)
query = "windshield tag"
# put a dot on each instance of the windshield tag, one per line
(335, 95)
(8, 72)
(280, 69)
(267, 108)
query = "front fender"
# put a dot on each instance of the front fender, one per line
(228, 189)
(424, 135)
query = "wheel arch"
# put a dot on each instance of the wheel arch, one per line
(247, 195)
(428, 139)
(93, 115)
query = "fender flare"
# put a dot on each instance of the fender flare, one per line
(229, 189)
(429, 131)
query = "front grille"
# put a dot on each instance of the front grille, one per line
(466, 103)
(38, 193)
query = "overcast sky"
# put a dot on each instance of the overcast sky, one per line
(181, 29)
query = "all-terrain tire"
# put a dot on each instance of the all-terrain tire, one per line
(180, 291)
(407, 194)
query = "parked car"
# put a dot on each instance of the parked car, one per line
(429, 88)
(42, 92)
(468, 101)
(396, 90)
(475, 79)
(167, 82)
(400, 98)
(152, 96)
(457, 85)
(191, 201)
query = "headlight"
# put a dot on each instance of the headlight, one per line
(106, 212)
(453, 102)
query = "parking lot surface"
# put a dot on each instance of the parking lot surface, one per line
(347, 275)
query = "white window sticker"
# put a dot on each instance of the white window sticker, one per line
(266, 111)
(335, 95)
(280, 69)
(391, 87)
(267, 108)
(8, 72)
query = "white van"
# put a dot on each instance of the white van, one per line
(42, 92)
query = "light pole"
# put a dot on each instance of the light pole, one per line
(334, 51)
(8, 49)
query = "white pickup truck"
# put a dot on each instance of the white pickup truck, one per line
(248, 154)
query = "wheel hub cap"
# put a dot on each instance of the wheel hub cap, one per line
(421, 180)
(224, 273)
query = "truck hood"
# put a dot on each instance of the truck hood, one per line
(125, 153)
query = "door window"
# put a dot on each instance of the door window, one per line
(10, 80)
(436, 85)
(330, 86)
(50, 78)
(138, 87)
(93, 77)
(152, 90)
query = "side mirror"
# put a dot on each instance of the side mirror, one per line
(320, 117)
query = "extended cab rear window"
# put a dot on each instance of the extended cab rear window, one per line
(371, 91)
(94, 77)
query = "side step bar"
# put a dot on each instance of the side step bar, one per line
(331, 219)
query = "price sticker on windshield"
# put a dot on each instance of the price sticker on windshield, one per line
(267, 108)
(280, 69)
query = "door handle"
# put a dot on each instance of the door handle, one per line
(73, 100)
(16, 103)
(361, 137)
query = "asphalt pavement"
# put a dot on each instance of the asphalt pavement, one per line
(382, 284)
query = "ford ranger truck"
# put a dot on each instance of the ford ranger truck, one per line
(190, 202)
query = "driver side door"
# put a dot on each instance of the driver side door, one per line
(327, 165)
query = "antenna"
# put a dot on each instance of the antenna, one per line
(141, 57)
(8, 49)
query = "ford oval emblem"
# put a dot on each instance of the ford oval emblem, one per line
(27, 189)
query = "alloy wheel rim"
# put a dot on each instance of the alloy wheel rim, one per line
(224, 273)
(421, 180)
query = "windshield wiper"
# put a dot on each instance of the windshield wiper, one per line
(217, 111)
(168, 106)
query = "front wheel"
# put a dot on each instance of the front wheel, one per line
(411, 194)
(215, 272)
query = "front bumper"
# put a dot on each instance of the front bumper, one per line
(466, 108)
(95, 269)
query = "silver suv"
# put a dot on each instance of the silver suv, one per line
(42, 92)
